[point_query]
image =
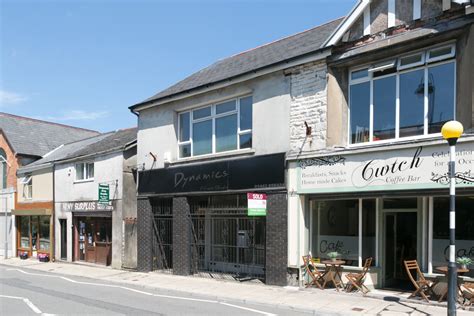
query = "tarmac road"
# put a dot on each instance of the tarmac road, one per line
(28, 292)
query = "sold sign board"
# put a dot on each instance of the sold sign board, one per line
(257, 204)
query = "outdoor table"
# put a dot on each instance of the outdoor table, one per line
(444, 270)
(333, 268)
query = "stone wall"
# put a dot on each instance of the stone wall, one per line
(308, 104)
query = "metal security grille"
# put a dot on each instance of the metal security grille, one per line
(225, 240)
(162, 234)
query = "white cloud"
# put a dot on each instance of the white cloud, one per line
(7, 97)
(77, 115)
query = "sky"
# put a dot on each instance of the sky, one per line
(84, 62)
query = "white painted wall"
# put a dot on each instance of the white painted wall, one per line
(157, 126)
(107, 169)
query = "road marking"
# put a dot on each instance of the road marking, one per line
(248, 309)
(26, 301)
(143, 292)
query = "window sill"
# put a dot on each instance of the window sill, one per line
(396, 141)
(232, 153)
(83, 181)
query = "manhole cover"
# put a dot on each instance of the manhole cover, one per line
(357, 309)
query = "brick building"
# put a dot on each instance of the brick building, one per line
(22, 141)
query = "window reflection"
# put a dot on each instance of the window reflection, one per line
(440, 96)
(412, 107)
(226, 133)
(384, 108)
(360, 112)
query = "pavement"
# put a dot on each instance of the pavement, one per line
(250, 297)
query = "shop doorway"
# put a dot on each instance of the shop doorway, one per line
(400, 244)
(63, 224)
(95, 240)
(225, 240)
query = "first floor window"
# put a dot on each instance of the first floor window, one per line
(84, 171)
(3, 169)
(464, 230)
(216, 128)
(412, 97)
(27, 183)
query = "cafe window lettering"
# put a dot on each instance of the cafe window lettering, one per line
(410, 96)
(464, 230)
(335, 228)
(216, 128)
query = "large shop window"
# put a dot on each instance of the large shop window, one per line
(34, 233)
(464, 229)
(216, 128)
(410, 96)
(335, 228)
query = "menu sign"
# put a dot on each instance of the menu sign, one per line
(422, 167)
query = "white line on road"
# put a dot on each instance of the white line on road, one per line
(26, 301)
(145, 293)
(247, 309)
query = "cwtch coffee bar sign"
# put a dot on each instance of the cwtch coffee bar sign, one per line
(421, 167)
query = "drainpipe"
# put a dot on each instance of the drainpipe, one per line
(53, 218)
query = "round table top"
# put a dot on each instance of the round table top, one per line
(444, 269)
(334, 262)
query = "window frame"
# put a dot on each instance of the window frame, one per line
(27, 182)
(85, 164)
(213, 117)
(427, 64)
(360, 210)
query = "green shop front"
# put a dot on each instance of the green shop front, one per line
(390, 203)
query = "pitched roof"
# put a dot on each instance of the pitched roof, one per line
(34, 137)
(263, 56)
(103, 143)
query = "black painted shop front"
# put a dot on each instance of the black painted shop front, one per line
(192, 219)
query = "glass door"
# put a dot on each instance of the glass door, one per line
(400, 245)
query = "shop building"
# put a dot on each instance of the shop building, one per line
(94, 199)
(28, 199)
(207, 142)
(377, 186)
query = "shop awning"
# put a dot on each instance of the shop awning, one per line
(38, 211)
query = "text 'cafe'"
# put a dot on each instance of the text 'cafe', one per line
(388, 203)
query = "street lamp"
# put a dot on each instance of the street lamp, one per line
(451, 131)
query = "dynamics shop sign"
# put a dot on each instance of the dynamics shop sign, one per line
(259, 172)
(422, 167)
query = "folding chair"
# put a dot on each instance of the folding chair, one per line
(468, 293)
(357, 279)
(315, 275)
(422, 285)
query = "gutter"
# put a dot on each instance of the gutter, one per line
(317, 55)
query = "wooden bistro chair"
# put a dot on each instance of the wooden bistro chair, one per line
(357, 279)
(468, 293)
(422, 286)
(316, 276)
